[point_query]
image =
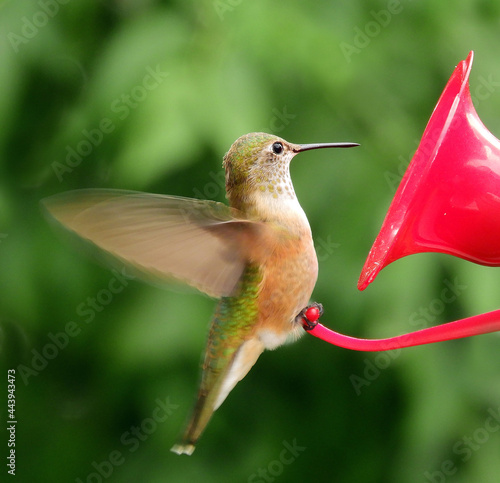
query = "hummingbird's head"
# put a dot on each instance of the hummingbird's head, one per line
(258, 163)
(257, 166)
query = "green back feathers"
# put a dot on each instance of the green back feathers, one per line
(235, 317)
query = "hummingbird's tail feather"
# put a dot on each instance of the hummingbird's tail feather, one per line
(201, 414)
(208, 401)
(183, 449)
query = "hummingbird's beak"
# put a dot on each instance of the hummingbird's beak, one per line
(307, 147)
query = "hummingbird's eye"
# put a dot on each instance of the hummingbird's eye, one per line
(277, 148)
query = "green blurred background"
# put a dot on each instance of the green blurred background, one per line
(74, 77)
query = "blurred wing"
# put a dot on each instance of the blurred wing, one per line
(197, 242)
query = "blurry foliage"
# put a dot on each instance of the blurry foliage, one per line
(74, 77)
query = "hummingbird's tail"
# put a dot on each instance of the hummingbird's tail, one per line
(209, 400)
(183, 448)
(201, 415)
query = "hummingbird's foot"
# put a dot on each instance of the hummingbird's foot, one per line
(309, 316)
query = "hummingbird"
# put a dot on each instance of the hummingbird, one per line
(256, 256)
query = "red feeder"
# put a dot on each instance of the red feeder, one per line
(447, 202)
(449, 198)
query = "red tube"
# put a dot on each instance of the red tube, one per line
(476, 325)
